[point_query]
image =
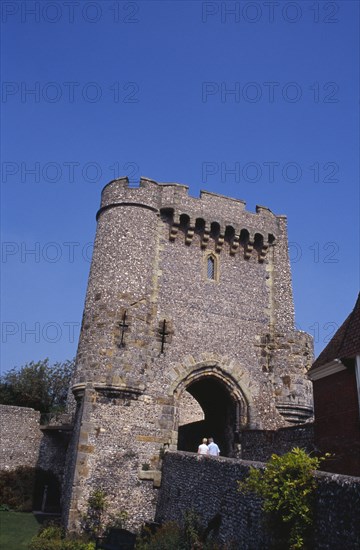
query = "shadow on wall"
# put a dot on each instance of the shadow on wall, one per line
(219, 422)
(47, 493)
(50, 465)
(27, 489)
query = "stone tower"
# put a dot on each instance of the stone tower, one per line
(188, 331)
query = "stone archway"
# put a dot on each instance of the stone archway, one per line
(224, 405)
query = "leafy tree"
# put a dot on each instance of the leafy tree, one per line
(287, 486)
(39, 385)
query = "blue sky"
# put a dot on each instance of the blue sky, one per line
(254, 100)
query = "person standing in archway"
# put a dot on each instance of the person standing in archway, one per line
(213, 448)
(203, 449)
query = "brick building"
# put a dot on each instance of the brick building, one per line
(336, 381)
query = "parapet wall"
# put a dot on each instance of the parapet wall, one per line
(209, 207)
(208, 486)
(261, 444)
(20, 437)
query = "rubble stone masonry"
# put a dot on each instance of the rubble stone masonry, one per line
(214, 494)
(20, 437)
(184, 295)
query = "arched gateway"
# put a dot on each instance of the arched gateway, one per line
(188, 332)
(224, 408)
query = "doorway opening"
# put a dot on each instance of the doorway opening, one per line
(211, 411)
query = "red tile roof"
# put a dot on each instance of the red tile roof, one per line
(345, 343)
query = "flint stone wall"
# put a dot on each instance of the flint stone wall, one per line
(20, 437)
(111, 452)
(52, 452)
(208, 486)
(23, 443)
(261, 444)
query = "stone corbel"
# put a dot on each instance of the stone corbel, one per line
(263, 252)
(206, 236)
(249, 247)
(174, 229)
(190, 233)
(220, 240)
(235, 244)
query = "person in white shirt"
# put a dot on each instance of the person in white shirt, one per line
(203, 448)
(213, 448)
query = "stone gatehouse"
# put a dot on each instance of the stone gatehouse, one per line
(187, 332)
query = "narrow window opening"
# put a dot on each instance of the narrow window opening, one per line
(211, 267)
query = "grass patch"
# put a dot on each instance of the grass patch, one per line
(17, 529)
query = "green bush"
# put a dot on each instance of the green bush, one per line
(41, 544)
(17, 488)
(167, 537)
(287, 486)
(170, 536)
(22, 489)
(52, 538)
(51, 532)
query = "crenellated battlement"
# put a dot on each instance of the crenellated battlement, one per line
(211, 215)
